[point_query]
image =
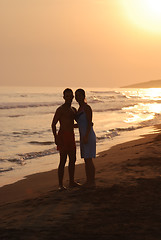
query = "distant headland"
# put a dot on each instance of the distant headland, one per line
(149, 84)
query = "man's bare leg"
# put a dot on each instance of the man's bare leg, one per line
(63, 159)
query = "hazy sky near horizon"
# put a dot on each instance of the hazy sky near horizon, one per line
(90, 43)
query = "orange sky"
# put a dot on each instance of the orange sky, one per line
(97, 43)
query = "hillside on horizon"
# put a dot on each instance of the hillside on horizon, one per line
(148, 84)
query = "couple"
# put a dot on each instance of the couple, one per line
(65, 140)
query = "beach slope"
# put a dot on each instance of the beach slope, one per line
(126, 203)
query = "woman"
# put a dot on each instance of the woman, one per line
(87, 136)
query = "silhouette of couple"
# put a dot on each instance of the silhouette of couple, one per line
(65, 139)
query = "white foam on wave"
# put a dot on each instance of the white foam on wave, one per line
(28, 105)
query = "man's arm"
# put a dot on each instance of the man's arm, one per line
(54, 122)
(75, 115)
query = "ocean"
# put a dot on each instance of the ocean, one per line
(26, 140)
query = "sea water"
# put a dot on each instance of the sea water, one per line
(26, 139)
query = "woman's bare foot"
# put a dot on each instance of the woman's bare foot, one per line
(89, 184)
(75, 184)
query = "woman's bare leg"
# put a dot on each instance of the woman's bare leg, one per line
(90, 170)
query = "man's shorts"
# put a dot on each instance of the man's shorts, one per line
(66, 142)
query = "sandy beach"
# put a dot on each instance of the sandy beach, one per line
(126, 203)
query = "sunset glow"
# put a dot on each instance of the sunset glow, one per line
(146, 14)
(98, 43)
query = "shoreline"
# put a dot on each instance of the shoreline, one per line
(39, 183)
(126, 203)
(49, 163)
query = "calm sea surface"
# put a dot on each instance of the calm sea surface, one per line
(26, 140)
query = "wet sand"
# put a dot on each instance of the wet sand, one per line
(126, 203)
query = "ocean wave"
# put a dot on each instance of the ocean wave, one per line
(105, 92)
(108, 135)
(105, 98)
(6, 169)
(95, 100)
(28, 105)
(15, 116)
(151, 122)
(27, 132)
(32, 155)
(107, 110)
(21, 159)
(111, 133)
(2, 159)
(41, 143)
(132, 128)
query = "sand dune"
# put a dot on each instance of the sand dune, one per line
(148, 84)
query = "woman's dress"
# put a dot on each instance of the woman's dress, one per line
(87, 150)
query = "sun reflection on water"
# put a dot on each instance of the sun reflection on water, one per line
(148, 93)
(143, 111)
(154, 93)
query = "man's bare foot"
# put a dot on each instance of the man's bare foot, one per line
(62, 188)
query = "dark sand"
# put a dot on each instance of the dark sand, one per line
(125, 205)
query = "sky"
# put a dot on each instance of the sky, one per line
(73, 43)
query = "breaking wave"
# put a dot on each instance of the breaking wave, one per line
(28, 105)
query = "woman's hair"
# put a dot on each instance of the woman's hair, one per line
(81, 91)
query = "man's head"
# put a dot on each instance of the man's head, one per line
(68, 95)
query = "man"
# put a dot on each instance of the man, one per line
(65, 139)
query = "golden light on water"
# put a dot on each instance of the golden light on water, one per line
(144, 93)
(155, 107)
(144, 111)
(145, 14)
(154, 93)
(137, 117)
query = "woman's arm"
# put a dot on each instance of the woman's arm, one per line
(75, 117)
(88, 112)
